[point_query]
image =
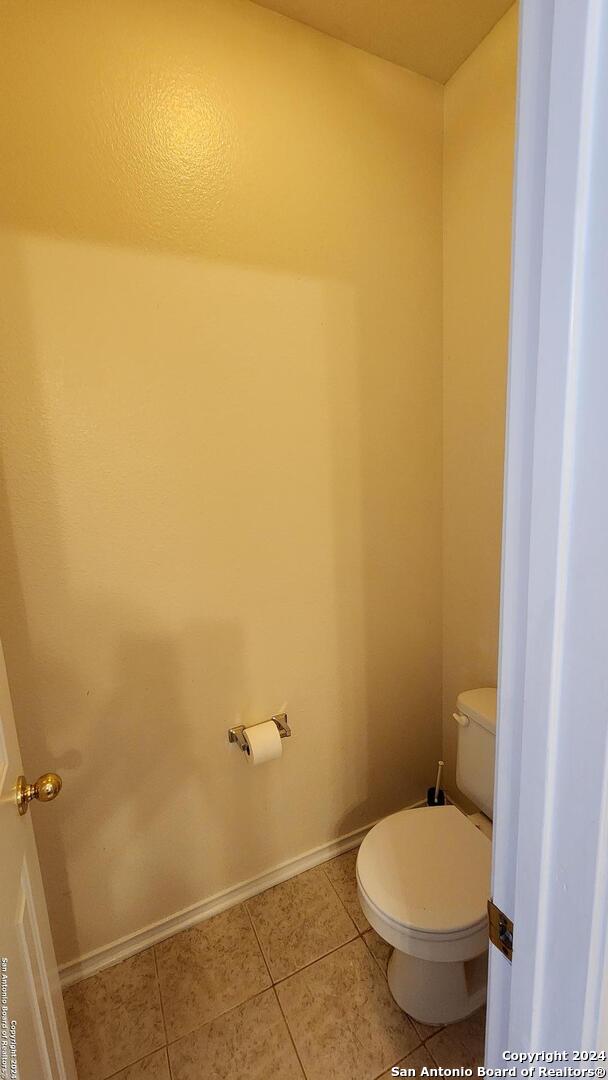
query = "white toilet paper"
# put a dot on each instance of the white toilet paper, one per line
(264, 742)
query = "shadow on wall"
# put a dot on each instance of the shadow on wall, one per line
(137, 772)
(118, 682)
(221, 440)
(123, 748)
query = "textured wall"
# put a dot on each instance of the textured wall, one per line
(221, 385)
(478, 173)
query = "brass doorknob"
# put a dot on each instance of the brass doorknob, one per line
(45, 789)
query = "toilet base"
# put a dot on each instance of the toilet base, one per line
(437, 992)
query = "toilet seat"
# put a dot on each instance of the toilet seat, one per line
(424, 878)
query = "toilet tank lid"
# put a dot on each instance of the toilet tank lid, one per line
(479, 706)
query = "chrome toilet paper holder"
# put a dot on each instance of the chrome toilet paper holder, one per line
(236, 734)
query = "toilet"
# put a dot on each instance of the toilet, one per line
(423, 878)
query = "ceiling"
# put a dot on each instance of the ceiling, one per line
(432, 37)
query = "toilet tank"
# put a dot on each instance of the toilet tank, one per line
(476, 717)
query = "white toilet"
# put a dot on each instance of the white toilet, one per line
(423, 878)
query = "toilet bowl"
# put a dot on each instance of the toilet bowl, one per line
(423, 878)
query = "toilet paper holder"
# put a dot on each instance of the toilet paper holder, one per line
(236, 734)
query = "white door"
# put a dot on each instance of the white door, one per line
(550, 873)
(34, 1041)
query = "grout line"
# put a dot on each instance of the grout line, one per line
(160, 996)
(305, 967)
(289, 1032)
(382, 971)
(220, 1016)
(323, 868)
(401, 1060)
(438, 1028)
(162, 1012)
(255, 934)
(274, 981)
(377, 1076)
(429, 1051)
(169, 1068)
(210, 1020)
(131, 1064)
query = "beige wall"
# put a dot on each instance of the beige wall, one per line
(221, 415)
(478, 166)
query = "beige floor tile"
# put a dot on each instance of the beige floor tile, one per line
(342, 1017)
(341, 873)
(299, 921)
(208, 969)
(425, 1030)
(250, 1041)
(115, 1017)
(460, 1044)
(416, 1060)
(379, 949)
(154, 1067)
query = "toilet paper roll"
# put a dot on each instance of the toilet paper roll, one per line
(264, 742)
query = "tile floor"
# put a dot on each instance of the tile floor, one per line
(290, 985)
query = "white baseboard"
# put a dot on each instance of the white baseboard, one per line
(95, 961)
(98, 959)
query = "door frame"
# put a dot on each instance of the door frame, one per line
(550, 859)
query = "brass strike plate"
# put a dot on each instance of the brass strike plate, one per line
(501, 930)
